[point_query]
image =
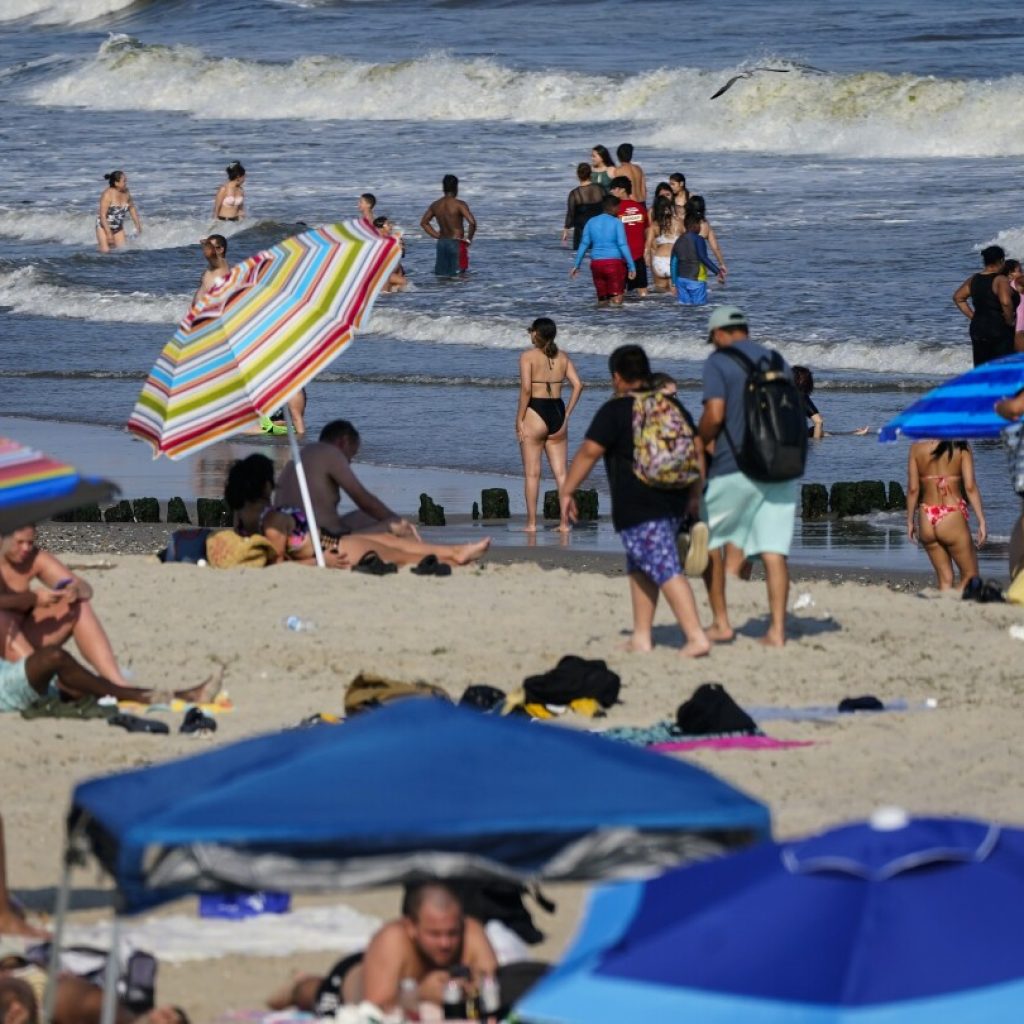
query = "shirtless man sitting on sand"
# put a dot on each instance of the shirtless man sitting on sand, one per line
(427, 943)
(328, 466)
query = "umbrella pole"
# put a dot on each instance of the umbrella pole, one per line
(112, 974)
(300, 473)
(60, 916)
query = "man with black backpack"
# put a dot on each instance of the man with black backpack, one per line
(654, 462)
(753, 420)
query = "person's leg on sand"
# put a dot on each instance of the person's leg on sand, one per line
(404, 551)
(954, 534)
(298, 991)
(776, 571)
(720, 631)
(937, 554)
(12, 921)
(680, 598)
(535, 434)
(643, 594)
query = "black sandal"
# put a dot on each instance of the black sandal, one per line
(196, 721)
(135, 723)
(430, 565)
(373, 565)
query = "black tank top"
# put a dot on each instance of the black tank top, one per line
(988, 311)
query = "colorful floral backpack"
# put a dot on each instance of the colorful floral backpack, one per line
(664, 446)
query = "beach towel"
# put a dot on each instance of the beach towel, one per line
(226, 549)
(748, 742)
(372, 691)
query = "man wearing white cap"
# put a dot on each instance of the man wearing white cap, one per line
(754, 515)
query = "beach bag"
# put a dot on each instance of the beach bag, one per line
(1013, 438)
(226, 549)
(371, 691)
(711, 711)
(664, 447)
(136, 984)
(572, 679)
(774, 446)
(186, 546)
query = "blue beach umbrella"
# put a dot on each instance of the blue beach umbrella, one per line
(860, 925)
(962, 407)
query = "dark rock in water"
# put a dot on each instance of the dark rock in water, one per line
(147, 510)
(813, 501)
(842, 499)
(897, 497)
(84, 514)
(212, 512)
(119, 513)
(476, 511)
(871, 495)
(177, 513)
(494, 503)
(586, 504)
(552, 510)
(431, 514)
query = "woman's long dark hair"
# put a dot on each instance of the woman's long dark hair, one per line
(247, 480)
(945, 449)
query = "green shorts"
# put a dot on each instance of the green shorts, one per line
(16, 693)
(757, 517)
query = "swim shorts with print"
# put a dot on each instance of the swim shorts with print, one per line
(651, 549)
(16, 693)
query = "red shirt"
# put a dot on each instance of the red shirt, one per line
(635, 220)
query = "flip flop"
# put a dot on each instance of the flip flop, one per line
(695, 560)
(133, 723)
(373, 565)
(431, 566)
(196, 721)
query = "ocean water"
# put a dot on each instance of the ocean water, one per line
(850, 193)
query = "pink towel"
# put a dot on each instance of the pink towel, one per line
(732, 743)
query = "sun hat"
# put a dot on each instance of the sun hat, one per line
(726, 316)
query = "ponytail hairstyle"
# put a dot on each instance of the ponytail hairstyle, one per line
(235, 171)
(545, 330)
(247, 480)
(113, 178)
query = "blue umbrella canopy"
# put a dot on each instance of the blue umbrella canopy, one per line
(418, 788)
(962, 407)
(860, 925)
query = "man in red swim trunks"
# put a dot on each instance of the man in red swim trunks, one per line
(611, 262)
(635, 220)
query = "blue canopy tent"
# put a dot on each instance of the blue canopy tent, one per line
(416, 789)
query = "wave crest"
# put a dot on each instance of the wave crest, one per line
(61, 12)
(869, 114)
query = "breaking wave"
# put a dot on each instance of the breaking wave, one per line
(869, 114)
(61, 12)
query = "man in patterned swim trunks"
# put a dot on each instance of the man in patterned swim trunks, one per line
(647, 519)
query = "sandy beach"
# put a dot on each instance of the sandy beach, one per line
(497, 624)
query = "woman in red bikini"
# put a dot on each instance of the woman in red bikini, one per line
(939, 474)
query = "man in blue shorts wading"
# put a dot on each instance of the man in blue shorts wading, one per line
(752, 515)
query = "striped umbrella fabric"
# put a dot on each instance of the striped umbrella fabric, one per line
(258, 338)
(34, 487)
(962, 407)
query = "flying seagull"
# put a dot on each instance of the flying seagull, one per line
(747, 74)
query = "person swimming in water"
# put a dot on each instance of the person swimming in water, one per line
(229, 202)
(116, 206)
(542, 419)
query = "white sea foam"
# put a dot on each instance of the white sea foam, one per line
(870, 114)
(75, 227)
(27, 290)
(61, 12)
(1011, 239)
(609, 330)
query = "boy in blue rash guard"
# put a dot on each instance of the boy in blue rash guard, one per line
(689, 257)
(611, 262)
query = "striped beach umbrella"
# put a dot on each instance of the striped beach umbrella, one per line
(34, 487)
(264, 333)
(962, 407)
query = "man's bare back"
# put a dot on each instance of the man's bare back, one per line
(454, 219)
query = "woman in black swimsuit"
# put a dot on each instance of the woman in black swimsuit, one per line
(542, 420)
(116, 206)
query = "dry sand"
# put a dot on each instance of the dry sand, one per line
(497, 624)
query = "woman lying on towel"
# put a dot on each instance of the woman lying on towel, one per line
(248, 494)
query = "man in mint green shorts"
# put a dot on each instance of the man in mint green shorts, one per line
(753, 516)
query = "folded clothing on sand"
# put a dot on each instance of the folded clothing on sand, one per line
(729, 743)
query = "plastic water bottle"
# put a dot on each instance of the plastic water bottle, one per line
(490, 997)
(297, 625)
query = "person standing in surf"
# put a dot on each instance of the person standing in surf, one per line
(611, 262)
(988, 301)
(116, 205)
(542, 419)
(584, 203)
(456, 227)
(633, 171)
(215, 252)
(229, 202)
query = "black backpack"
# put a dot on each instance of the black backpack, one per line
(711, 711)
(774, 446)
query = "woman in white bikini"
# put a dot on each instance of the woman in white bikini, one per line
(229, 203)
(116, 205)
(937, 513)
(661, 236)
